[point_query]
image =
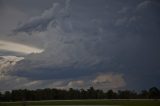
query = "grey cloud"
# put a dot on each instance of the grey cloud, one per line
(103, 81)
(9, 82)
(92, 37)
(109, 81)
(10, 17)
(40, 23)
(147, 3)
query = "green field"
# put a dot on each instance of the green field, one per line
(86, 102)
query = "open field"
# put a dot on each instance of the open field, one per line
(86, 102)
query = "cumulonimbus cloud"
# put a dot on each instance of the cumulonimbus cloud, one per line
(17, 47)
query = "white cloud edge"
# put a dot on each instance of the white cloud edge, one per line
(19, 48)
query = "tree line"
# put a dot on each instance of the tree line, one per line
(91, 93)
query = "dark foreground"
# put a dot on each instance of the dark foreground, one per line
(85, 102)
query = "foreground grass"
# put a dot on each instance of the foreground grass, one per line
(86, 102)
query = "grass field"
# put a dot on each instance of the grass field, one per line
(86, 102)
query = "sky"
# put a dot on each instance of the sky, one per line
(107, 44)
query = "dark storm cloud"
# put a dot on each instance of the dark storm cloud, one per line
(55, 73)
(127, 34)
(38, 23)
(50, 16)
(85, 38)
(29, 5)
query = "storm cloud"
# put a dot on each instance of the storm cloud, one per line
(74, 43)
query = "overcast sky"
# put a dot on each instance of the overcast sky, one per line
(107, 44)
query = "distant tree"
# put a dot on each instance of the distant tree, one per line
(154, 93)
(127, 94)
(91, 93)
(100, 94)
(111, 95)
(18, 95)
(144, 94)
(83, 94)
(7, 96)
(1, 96)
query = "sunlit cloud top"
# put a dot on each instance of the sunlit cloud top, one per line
(17, 47)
